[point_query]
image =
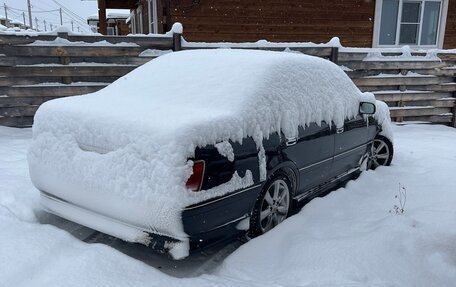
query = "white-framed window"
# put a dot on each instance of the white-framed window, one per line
(410, 22)
(110, 31)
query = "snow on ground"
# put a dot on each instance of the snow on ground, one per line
(348, 238)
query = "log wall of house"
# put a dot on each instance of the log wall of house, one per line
(275, 20)
(123, 28)
(450, 30)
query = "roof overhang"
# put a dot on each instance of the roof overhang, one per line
(121, 4)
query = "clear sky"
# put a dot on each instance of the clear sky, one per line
(73, 10)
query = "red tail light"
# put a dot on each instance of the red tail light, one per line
(196, 179)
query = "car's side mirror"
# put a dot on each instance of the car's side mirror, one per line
(366, 108)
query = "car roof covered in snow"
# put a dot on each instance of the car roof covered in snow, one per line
(231, 93)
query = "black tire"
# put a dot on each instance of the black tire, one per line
(273, 204)
(381, 153)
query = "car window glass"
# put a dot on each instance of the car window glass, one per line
(313, 130)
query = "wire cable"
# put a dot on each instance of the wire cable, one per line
(33, 11)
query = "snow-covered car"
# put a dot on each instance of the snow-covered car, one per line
(197, 146)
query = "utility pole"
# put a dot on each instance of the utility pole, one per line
(36, 24)
(50, 24)
(72, 27)
(30, 13)
(6, 15)
(78, 29)
(61, 17)
(23, 17)
(45, 29)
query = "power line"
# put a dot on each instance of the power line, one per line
(34, 11)
(77, 19)
(79, 22)
(83, 24)
(68, 10)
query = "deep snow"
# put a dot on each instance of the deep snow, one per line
(347, 238)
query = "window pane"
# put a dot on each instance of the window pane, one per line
(388, 22)
(411, 12)
(430, 23)
(409, 34)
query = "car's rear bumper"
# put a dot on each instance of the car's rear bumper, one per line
(205, 223)
(104, 224)
(216, 219)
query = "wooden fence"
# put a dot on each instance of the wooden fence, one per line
(415, 90)
(32, 74)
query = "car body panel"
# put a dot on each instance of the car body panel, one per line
(312, 154)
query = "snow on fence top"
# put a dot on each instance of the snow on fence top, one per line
(141, 130)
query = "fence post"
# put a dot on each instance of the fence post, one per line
(334, 54)
(454, 113)
(177, 42)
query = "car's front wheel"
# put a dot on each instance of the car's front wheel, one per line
(381, 153)
(272, 206)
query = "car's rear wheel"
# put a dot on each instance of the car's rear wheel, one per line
(272, 206)
(381, 153)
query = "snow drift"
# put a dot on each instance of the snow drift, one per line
(124, 151)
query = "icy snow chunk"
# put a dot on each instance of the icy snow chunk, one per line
(154, 53)
(224, 148)
(345, 68)
(64, 42)
(382, 116)
(335, 42)
(235, 183)
(177, 28)
(288, 50)
(376, 55)
(408, 75)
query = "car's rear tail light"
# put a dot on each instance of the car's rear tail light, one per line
(196, 179)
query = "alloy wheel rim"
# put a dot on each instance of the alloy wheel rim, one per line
(379, 153)
(275, 205)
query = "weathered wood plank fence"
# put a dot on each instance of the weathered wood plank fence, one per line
(416, 88)
(36, 69)
(420, 90)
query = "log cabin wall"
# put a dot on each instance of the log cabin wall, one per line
(449, 41)
(274, 20)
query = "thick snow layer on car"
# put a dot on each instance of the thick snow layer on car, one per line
(128, 145)
(348, 238)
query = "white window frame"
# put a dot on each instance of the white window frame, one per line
(440, 30)
(133, 21)
(152, 14)
(110, 31)
(139, 20)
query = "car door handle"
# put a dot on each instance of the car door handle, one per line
(291, 141)
(340, 130)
